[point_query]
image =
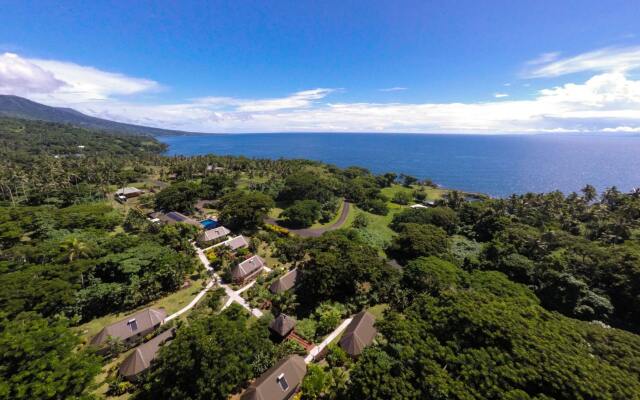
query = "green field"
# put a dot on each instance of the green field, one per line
(171, 303)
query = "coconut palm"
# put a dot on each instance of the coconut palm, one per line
(74, 249)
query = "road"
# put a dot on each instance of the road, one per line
(315, 232)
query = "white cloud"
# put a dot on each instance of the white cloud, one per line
(19, 77)
(301, 99)
(605, 101)
(393, 89)
(608, 59)
(500, 95)
(60, 82)
(623, 129)
(544, 58)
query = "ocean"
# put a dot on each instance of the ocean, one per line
(498, 165)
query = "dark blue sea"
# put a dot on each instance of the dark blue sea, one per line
(493, 164)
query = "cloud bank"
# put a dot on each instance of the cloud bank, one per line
(608, 101)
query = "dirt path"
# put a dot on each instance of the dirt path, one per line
(315, 232)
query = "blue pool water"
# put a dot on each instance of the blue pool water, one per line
(494, 164)
(209, 223)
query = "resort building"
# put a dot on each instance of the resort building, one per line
(127, 192)
(282, 325)
(132, 328)
(238, 242)
(173, 217)
(359, 334)
(213, 235)
(285, 282)
(279, 382)
(247, 270)
(140, 360)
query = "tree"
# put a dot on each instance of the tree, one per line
(40, 359)
(328, 316)
(244, 210)
(589, 193)
(306, 185)
(214, 186)
(211, 358)
(432, 275)
(475, 343)
(360, 221)
(416, 240)
(343, 268)
(178, 197)
(302, 213)
(444, 217)
(402, 198)
(408, 180)
(74, 248)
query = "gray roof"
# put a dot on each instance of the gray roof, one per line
(288, 373)
(282, 325)
(174, 217)
(139, 322)
(237, 242)
(359, 334)
(247, 267)
(141, 358)
(128, 190)
(285, 282)
(215, 233)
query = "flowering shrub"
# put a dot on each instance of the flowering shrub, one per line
(277, 229)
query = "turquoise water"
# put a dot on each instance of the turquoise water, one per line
(209, 223)
(494, 164)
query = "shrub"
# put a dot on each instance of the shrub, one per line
(277, 229)
(306, 328)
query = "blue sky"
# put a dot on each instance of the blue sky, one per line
(414, 66)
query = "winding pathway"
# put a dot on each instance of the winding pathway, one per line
(315, 232)
(234, 296)
(318, 349)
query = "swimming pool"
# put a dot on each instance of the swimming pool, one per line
(209, 223)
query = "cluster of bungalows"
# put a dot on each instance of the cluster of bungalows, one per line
(283, 380)
(131, 331)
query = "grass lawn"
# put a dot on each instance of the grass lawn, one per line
(110, 370)
(378, 310)
(378, 224)
(171, 303)
(432, 193)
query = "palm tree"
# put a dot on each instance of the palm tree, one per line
(75, 249)
(589, 193)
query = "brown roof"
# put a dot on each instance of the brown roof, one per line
(359, 334)
(141, 358)
(279, 382)
(247, 267)
(141, 321)
(282, 325)
(215, 233)
(285, 282)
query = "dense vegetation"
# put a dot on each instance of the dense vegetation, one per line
(534, 296)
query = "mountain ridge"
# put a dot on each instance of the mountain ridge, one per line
(20, 107)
